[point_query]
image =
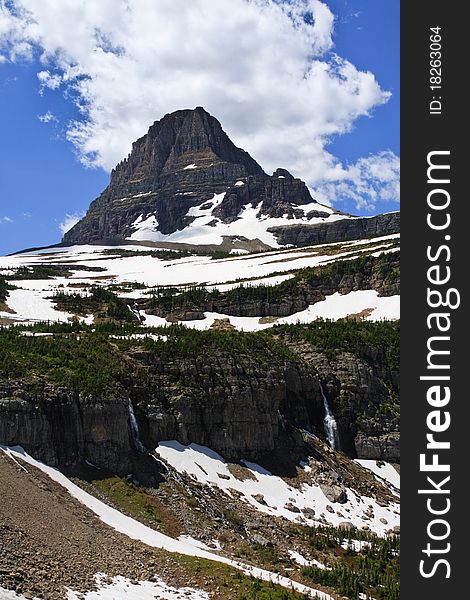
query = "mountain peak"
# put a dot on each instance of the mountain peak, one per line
(186, 181)
(180, 138)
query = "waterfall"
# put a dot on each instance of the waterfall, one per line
(281, 420)
(134, 428)
(329, 423)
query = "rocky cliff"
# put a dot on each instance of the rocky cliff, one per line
(337, 231)
(243, 395)
(183, 161)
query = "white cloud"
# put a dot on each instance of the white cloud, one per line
(367, 181)
(47, 117)
(69, 221)
(6, 220)
(49, 81)
(264, 68)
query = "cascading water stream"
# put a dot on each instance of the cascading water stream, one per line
(329, 423)
(281, 420)
(134, 428)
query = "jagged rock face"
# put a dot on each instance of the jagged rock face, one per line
(183, 160)
(230, 405)
(363, 393)
(62, 429)
(240, 406)
(337, 231)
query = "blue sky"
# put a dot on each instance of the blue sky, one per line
(43, 177)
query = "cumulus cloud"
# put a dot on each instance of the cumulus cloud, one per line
(265, 68)
(369, 180)
(69, 221)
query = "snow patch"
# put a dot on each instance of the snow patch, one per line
(122, 588)
(11, 595)
(31, 305)
(248, 224)
(280, 499)
(145, 227)
(384, 471)
(304, 562)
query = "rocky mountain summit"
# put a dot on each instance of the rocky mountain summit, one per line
(185, 168)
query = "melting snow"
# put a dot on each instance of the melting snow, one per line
(191, 166)
(11, 595)
(30, 301)
(31, 305)
(386, 472)
(304, 562)
(248, 224)
(278, 496)
(337, 306)
(123, 589)
(333, 307)
(145, 228)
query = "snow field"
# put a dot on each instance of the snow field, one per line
(248, 224)
(30, 300)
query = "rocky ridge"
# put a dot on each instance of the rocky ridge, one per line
(337, 231)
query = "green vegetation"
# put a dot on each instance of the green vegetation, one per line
(86, 363)
(46, 271)
(306, 283)
(99, 301)
(184, 342)
(234, 585)
(218, 254)
(96, 356)
(4, 288)
(164, 254)
(135, 501)
(364, 338)
(36, 272)
(87, 359)
(161, 254)
(374, 570)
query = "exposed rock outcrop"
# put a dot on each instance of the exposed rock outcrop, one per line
(363, 388)
(337, 231)
(246, 403)
(61, 427)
